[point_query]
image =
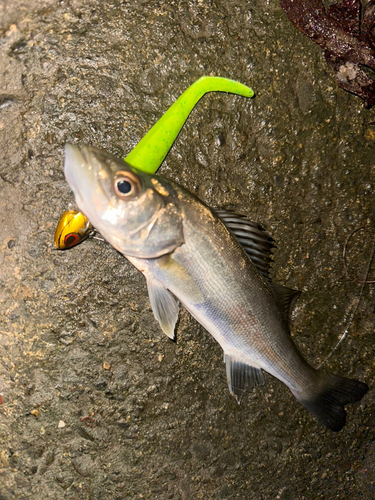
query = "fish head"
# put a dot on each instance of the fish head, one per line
(137, 213)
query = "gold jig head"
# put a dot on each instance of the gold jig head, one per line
(73, 227)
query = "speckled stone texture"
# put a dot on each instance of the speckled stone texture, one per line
(97, 403)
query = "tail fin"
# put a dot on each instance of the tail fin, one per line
(328, 404)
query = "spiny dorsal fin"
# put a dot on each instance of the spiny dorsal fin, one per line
(253, 238)
(258, 245)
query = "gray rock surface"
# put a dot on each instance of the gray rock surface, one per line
(96, 402)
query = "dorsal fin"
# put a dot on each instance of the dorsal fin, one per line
(286, 299)
(253, 238)
(258, 245)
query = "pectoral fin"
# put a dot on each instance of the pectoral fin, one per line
(178, 277)
(241, 376)
(164, 306)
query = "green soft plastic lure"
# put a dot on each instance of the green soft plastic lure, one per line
(150, 152)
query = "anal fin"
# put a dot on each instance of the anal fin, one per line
(241, 376)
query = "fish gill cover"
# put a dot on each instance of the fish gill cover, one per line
(345, 32)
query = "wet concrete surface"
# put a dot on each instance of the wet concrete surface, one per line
(97, 403)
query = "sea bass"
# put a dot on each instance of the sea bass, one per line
(216, 264)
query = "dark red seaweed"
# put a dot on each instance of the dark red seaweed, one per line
(346, 33)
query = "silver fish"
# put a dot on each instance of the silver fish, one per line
(184, 247)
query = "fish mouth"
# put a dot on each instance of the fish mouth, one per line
(83, 167)
(90, 181)
(76, 172)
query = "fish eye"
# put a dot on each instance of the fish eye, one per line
(126, 185)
